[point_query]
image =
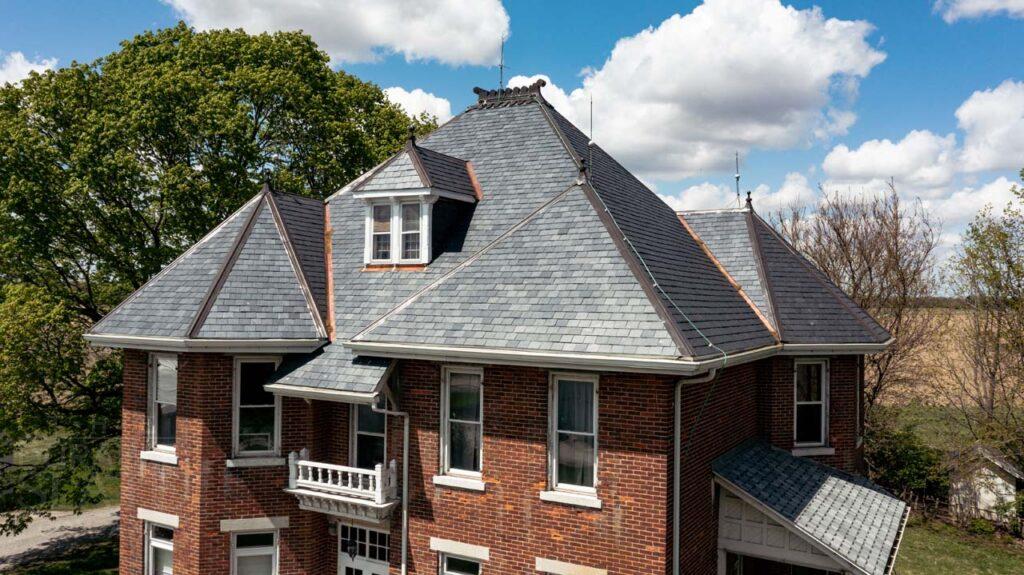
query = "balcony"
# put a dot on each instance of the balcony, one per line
(348, 492)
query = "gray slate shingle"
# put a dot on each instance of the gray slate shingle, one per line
(848, 514)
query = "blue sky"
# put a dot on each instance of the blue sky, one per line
(843, 94)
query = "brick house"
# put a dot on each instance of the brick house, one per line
(496, 352)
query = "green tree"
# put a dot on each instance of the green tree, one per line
(110, 169)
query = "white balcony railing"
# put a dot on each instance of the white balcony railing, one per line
(378, 485)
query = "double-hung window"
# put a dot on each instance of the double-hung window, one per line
(810, 411)
(573, 432)
(410, 231)
(254, 553)
(380, 239)
(451, 565)
(159, 549)
(370, 435)
(257, 411)
(462, 421)
(163, 401)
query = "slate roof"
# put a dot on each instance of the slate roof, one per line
(416, 167)
(240, 282)
(790, 291)
(844, 514)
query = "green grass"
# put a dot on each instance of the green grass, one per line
(934, 547)
(93, 558)
(106, 484)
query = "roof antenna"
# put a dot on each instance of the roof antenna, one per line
(501, 66)
(590, 144)
(738, 201)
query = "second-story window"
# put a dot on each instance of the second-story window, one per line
(257, 411)
(163, 404)
(810, 410)
(380, 245)
(462, 421)
(370, 435)
(574, 432)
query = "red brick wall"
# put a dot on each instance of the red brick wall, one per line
(777, 408)
(627, 536)
(201, 489)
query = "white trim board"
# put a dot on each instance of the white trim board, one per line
(181, 344)
(459, 549)
(158, 517)
(254, 524)
(553, 567)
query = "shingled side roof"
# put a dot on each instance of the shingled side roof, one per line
(254, 277)
(418, 167)
(845, 515)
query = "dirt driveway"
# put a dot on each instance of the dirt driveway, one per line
(45, 537)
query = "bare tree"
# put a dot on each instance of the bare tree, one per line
(881, 252)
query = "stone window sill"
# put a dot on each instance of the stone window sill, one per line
(468, 483)
(812, 451)
(256, 462)
(159, 457)
(566, 498)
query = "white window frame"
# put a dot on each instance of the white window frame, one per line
(824, 403)
(426, 204)
(555, 378)
(446, 373)
(442, 563)
(152, 543)
(152, 414)
(354, 432)
(237, 552)
(368, 528)
(399, 256)
(236, 397)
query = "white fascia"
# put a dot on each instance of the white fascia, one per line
(183, 344)
(835, 348)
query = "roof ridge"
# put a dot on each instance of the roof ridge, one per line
(164, 270)
(819, 276)
(300, 273)
(503, 97)
(225, 269)
(465, 263)
(762, 273)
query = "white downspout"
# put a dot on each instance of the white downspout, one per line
(405, 478)
(677, 453)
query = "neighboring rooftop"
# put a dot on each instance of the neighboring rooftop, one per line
(845, 516)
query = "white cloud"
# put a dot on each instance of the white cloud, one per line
(732, 75)
(953, 10)
(993, 124)
(962, 205)
(15, 67)
(450, 31)
(920, 159)
(417, 101)
(795, 190)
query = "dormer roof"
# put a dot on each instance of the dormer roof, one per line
(419, 169)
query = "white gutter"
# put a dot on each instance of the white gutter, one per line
(835, 348)
(557, 360)
(286, 390)
(405, 479)
(677, 423)
(184, 344)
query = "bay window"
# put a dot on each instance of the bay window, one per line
(810, 410)
(163, 400)
(462, 421)
(257, 412)
(574, 432)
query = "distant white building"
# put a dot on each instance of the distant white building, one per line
(983, 483)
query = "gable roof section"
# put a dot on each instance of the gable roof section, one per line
(846, 516)
(416, 167)
(710, 314)
(556, 283)
(244, 281)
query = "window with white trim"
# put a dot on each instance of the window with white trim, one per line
(356, 541)
(810, 410)
(369, 435)
(257, 412)
(163, 401)
(452, 565)
(159, 549)
(462, 417)
(573, 432)
(398, 230)
(254, 553)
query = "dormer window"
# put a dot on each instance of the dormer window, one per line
(400, 198)
(398, 231)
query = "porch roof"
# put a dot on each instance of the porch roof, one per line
(850, 519)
